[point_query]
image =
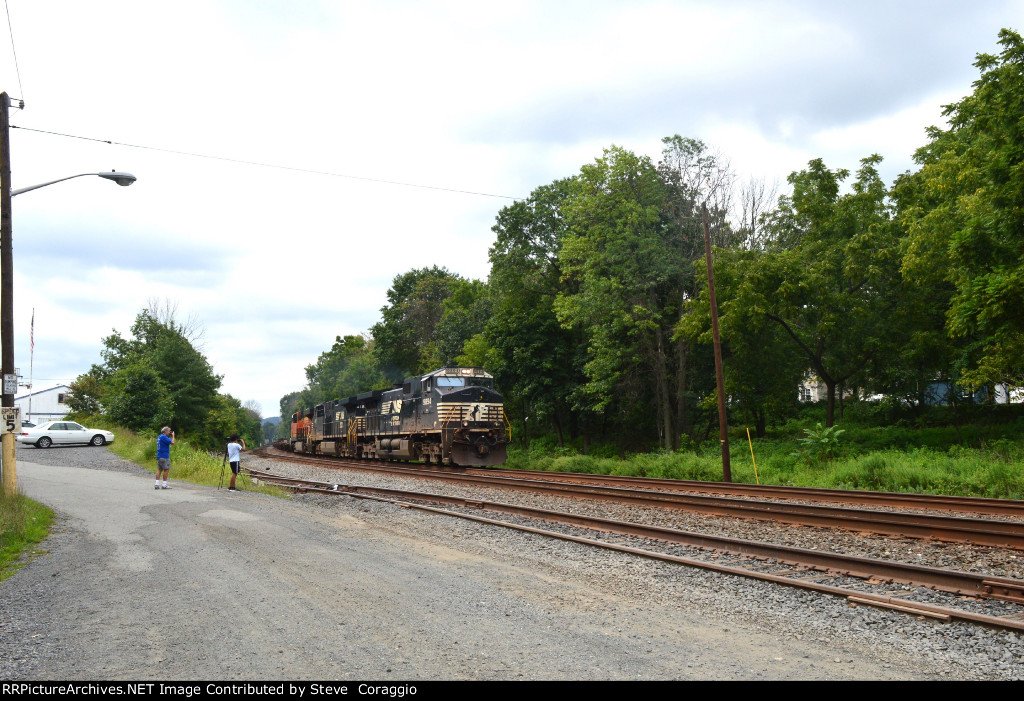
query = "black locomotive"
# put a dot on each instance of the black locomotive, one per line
(451, 416)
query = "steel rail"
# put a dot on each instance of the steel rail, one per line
(953, 581)
(875, 571)
(938, 502)
(945, 528)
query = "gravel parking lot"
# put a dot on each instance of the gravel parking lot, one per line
(347, 588)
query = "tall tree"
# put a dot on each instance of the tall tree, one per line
(693, 177)
(832, 282)
(404, 337)
(761, 369)
(964, 213)
(539, 362)
(184, 386)
(348, 368)
(616, 260)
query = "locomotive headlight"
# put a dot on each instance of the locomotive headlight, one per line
(465, 423)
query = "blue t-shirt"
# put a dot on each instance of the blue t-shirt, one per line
(163, 446)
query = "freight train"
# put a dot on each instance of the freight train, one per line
(451, 416)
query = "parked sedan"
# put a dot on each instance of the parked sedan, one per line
(63, 433)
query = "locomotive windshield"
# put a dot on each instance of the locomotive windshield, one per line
(463, 381)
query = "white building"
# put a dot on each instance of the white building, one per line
(46, 404)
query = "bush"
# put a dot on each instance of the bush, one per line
(820, 444)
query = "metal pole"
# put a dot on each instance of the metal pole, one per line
(10, 470)
(723, 421)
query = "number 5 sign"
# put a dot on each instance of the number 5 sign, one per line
(12, 420)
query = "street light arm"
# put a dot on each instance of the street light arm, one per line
(123, 179)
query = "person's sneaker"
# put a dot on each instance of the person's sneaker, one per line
(165, 487)
(156, 486)
(232, 489)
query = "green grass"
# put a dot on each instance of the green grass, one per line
(23, 524)
(984, 458)
(188, 464)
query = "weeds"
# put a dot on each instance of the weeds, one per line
(820, 444)
(23, 523)
(188, 464)
(989, 462)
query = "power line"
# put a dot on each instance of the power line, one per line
(270, 165)
(14, 50)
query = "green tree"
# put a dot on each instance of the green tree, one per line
(633, 233)
(831, 280)
(614, 259)
(693, 177)
(135, 396)
(761, 369)
(537, 362)
(227, 416)
(348, 368)
(464, 315)
(405, 338)
(964, 213)
(86, 392)
(156, 376)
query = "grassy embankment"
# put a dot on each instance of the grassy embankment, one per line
(23, 523)
(188, 464)
(936, 452)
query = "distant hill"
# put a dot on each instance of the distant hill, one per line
(273, 420)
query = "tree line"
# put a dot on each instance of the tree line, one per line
(157, 377)
(595, 317)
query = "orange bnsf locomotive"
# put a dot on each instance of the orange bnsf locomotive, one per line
(452, 416)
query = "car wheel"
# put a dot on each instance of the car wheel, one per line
(44, 442)
(98, 440)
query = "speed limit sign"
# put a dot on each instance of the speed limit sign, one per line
(11, 419)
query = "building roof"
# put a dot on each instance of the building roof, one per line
(42, 391)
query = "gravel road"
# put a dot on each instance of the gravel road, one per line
(197, 583)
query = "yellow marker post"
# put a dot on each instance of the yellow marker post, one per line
(752, 456)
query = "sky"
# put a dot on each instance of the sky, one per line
(294, 157)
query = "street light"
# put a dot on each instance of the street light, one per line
(122, 179)
(9, 467)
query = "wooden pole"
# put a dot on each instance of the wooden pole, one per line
(723, 421)
(10, 472)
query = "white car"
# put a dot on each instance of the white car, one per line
(63, 433)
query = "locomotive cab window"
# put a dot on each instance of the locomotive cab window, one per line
(451, 382)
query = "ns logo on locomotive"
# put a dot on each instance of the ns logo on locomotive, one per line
(451, 416)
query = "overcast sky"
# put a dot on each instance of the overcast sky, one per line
(493, 98)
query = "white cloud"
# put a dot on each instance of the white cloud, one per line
(495, 98)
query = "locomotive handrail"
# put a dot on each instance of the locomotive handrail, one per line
(508, 424)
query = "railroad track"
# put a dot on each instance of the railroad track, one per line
(976, 531)
(968, 597)
(935, 502)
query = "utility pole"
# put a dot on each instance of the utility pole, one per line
(10, 470)
(723, 420)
